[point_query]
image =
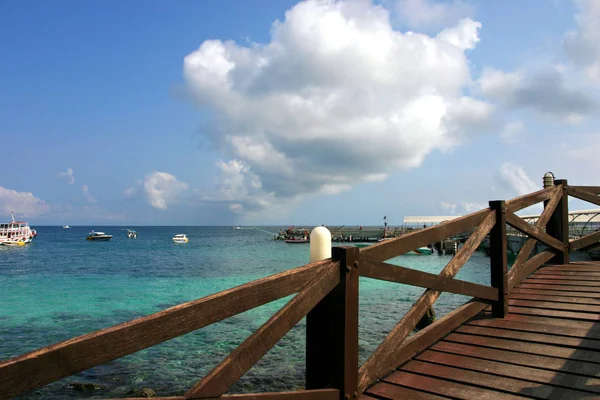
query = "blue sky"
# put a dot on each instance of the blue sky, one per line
(279, 112)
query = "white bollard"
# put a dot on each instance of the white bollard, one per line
(320, 244)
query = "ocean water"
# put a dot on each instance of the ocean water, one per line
(62, 286)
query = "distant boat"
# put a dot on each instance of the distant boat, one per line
(66, 226)
(180, 238)
(99, 236)
(297, 241)
(131, 234)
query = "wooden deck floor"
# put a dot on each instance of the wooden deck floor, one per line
(547, 348)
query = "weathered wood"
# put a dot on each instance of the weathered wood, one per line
(59, 360)
(515, 294)
(388, 391)
(153, 398)
(528, 290)
(317, 394)
(525, 251)
(444, 387)
(405, 243)
(394, 273)
(554, 313)
(587, 241)
(332, 331)
(551, 305)
(568, 274)
(582, 194)
(553, 378)
(518, 358)
(382, 360)
(527, 268)
(530, 284)
(531, 348)
(530, 199)
(533, 337)
(568, 282)
(555, 321)
(566, 277)
(590, 189)
(527, 325)
(498, 259)
(533, 231)
(234, 366)
(558, 225)
(573, 267)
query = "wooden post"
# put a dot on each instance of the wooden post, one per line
(332, 332)
(498, 267)
(558, 225)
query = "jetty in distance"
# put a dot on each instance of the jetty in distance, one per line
(533, 332)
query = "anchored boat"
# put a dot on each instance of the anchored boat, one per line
(180, 238)
(131, 234)
(16, 233)
(99, 236)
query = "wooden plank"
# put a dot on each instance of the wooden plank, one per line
(443, 387)
(498, 259)
(495, 382)
(518, 358)
(317, 394)
(59, 360)
(551, 305)
(554, 313)
(590, 189)
(332, 331)
(526, 326)
(562, 282)
(523, 347)
(236, 364)
(405, 243)
(385, 390)
(565, 278)
(545, 377)
(153, 398)
(393, 273)
(552, 321)
(557, 299)
(568, 274)
(516, 274)
(582, 243)
(557, 287)
(583, 194)
(532, 337)
(530, 199)
(533, 231)
(558, 224)
(519, 289)
(383, 358)
(572, 268)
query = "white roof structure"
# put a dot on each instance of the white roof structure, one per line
(579, 216)
(428, 220)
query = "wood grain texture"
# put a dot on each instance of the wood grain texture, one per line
(585, 242)
(517, 274)
(582, 194)
(529, 325)
(533, 231)
(385, 390)
(57, 361)
(234, 366)
(317, 394)
(394, 273)
(411, 241)
(383, 358)
(530, 199)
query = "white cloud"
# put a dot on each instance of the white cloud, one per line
(430, 13)
(512, 132)
(337, 97)
(68, 175)
(516, 179)
(86, 193)
(22, 203)
(450, 207)
(545, 91)
(582, 45)
(471, 207)
(163, 189)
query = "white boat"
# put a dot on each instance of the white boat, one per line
(131, 234)
(99, 236)
(66, 226)
(180, 238)
(16, 233)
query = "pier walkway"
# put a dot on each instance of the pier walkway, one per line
(532, 333)
(548, 347)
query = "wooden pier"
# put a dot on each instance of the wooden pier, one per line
(532, 333)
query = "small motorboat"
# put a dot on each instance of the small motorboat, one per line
(131, 234)
(98, 236)
(180, 238)
(297, 241)
(66, 226)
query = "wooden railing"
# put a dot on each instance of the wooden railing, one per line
(327, 294)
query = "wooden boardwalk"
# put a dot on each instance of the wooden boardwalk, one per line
(548, 347)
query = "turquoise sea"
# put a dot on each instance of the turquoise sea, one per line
(62, 286)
